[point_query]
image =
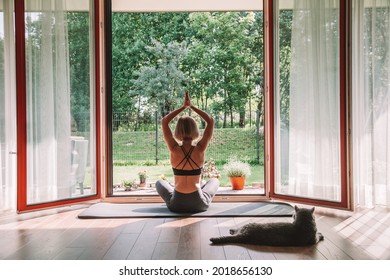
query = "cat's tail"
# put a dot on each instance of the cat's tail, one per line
(224, 239)
(320, 237)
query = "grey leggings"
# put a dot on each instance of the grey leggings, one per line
(197, 201)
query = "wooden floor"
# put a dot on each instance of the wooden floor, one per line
(59, 234)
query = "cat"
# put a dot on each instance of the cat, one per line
(301, 232)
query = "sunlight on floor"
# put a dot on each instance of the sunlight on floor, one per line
(369, 230)
(177, 223)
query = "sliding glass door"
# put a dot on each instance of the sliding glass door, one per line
(309, 101)
(59, 98)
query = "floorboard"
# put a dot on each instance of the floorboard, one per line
(147, 239)
(209, 228)
(232, 252)
(189, 241)
(362, 235)
(121, 247)
(165, 251)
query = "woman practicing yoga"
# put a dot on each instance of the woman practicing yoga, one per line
(187, 158)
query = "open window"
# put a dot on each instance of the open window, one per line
(7, 107)
(57, 101)
(155, 53)
(310, 101)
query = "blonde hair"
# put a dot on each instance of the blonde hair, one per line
(186, 127)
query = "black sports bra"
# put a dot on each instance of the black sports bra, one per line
(187, 159)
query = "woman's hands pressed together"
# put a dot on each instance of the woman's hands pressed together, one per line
(187, 100)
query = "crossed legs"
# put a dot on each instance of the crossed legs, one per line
(204, 198)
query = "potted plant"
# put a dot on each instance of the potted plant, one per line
(237, 171)
(210, 170)
(142, 178)
(129, 185)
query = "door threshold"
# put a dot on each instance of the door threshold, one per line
(157, 199)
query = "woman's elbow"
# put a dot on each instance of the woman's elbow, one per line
(164, 121)
(211, 122)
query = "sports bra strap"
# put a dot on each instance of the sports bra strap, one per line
(187, 158)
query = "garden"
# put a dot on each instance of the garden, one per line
(141, 153)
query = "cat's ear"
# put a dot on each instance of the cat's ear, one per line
(296, 208)
(312, 209)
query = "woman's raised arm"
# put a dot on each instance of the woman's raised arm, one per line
(208, 132)
(167, 132)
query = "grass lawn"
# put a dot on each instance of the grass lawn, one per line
(121, 173)
(136, 151)
(139, 147)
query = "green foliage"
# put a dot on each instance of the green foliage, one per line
(160, 83)
(217, 56)
(129, 185)
(220, 61)
(285, 25)
(79, 62)
(132, 35)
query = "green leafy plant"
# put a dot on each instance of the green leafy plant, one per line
(129, 185)
(142, 175)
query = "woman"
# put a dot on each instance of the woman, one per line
(187, 160)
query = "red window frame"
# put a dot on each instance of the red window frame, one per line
(344, 78)
(21, 115)
(269, 110)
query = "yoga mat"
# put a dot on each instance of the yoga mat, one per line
(158, 210)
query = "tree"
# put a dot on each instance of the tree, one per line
(79, 63)
(162, 82)
(132, 33)
(222, 65)
(285, 29)
(223, 52)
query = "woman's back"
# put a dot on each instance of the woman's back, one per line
(187, 162)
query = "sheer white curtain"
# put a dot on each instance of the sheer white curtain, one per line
(7, 108)
(371, 103)
(48, 99)
(314, 131)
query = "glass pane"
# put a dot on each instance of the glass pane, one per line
(307, 117)
(7, 108)
(60, 101)
(218, 58)
(370, 102)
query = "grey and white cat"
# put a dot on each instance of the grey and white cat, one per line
(301, 232)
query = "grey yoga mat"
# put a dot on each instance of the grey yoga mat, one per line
(158, 210)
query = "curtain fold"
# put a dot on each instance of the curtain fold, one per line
(7, 108)
(48, 101)
(314, 119)
(370, 102)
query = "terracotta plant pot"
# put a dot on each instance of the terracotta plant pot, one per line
(237, 183)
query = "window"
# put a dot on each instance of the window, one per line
(308, 103)
(56, 131)
(7, 107)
